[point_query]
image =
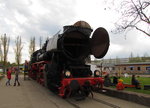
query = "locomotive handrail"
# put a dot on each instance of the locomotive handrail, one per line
(78, 67)
(71, 44)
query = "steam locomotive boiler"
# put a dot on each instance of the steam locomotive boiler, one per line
(61, 63)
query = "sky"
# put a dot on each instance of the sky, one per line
(29, 18)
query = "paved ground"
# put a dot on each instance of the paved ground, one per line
(32, 95)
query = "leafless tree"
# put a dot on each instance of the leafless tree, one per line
(1, 54)
(40, 42)
(5, 47)
(134, 14)
(18, 49)
(32, 45)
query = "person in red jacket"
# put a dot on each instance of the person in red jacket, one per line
(8, 77)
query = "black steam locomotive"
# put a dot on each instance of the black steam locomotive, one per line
(61, 64)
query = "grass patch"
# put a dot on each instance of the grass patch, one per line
(143, 81)
(1, 76)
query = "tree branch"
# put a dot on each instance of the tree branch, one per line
(148, 34)
(133, 13)
(141, 8)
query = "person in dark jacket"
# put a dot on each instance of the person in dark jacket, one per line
(135, 82)
(16, 77)
(115, 80)
(25, 69)
(107, 81)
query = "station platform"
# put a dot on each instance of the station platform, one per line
(140, 98)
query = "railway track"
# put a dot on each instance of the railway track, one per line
(72, 103)
(77, 104)
(106, 103)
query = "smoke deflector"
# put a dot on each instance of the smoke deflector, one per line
(99, 43)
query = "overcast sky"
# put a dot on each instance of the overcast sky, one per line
(28, 18)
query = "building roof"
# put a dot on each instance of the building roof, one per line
(138, 63)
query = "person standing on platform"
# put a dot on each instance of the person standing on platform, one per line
(17, 77)
(25, 69)
(8, 77)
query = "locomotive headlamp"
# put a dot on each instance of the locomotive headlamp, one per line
(96, 73)
(67, 74)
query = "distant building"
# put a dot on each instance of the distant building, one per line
(126, 68)
(133, 68)
(116, 60)
(122, 66)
